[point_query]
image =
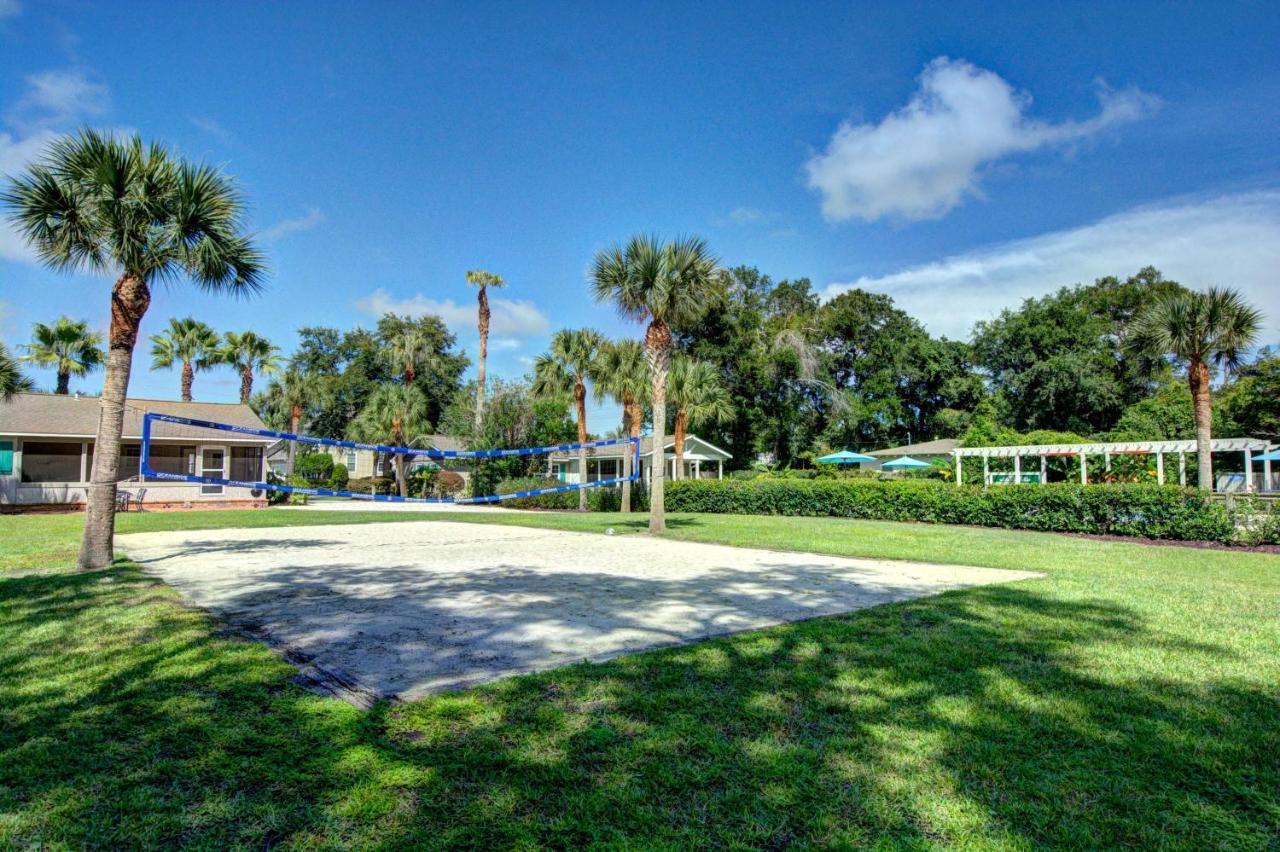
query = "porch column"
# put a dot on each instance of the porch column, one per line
(1017, 467)
(1084, 469)
(719, 468)
(1266, 475)
(697, 468)
(1248, 469)
(1182, 469)
(1044, 470)
(1160, 467)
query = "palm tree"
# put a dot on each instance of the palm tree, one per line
(287, 401)
(408, 351)
(483, 281)
(621, 373)
(11, 379)
(395, 415)
(564, 369)
(661, 283)
(246, 353)
(190, 343)
(95, 202)
(67, 346)
(1198, 328)
(699, 397)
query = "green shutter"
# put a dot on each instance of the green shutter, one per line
(6, 458)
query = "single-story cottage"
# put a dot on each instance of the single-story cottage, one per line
(47, 441)
(926, 451)
(702, 460)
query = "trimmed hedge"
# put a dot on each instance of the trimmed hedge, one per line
(598, 499)
(1151, 511)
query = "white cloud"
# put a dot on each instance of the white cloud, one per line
(57, 99)
(1229, 240)
(922, 160)
(212, 127)
(511, 318)
(745, 215)
(10, 9)
(504, 344)
(311, 219)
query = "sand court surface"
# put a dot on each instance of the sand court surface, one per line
(406, 609)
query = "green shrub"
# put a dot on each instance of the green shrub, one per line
(339, 478)
(1129, 509)
(315, 468)
(449, 483)
(604, 499)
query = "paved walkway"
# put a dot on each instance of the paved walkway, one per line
(407, 609)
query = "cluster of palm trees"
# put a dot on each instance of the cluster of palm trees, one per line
(194, 346)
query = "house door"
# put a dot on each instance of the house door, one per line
(213, 462)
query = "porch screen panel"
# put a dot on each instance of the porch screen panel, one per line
(246, 463)
(50, 461)
(173, 458)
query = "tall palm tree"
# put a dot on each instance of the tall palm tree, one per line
(658, 283)
(395, 415)
(100, 203)
(67, 346)
(1216, 327)
(621, 373)
(408, 351)
(190, 343)
(248, 352)
(699, 397)
(11, 379)
(482, 280)
(286, 403)
(565, 368)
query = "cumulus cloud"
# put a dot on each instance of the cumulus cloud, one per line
(511, 318)
(10, 9)
(924, 159)
(311, 219)
(58, 98)
(1231, 240)
(745, 215)
(212, 127)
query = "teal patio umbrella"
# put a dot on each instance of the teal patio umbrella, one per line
(1274, 455)
(905, 463)
(845, 457)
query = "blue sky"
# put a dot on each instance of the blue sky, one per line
(958, 157)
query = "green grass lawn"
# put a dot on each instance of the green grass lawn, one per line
(1129, 698)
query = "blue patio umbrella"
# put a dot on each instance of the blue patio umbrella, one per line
(905, 462)
(1274, 455)
(846, 457)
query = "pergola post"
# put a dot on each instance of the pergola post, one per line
(1182, 469)
(1248, 469)
(1160, 467)
(1084, 469)
(1044, 470)
(1017, 468)
(960, 469)
(1106, 461)
(986, 469)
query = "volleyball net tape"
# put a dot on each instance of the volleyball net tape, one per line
(414, 453)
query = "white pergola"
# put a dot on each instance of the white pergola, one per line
(1246, 446)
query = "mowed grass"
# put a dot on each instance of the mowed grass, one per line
(1129, 698)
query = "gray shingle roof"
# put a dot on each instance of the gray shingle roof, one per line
(940, 447)
(77, 417)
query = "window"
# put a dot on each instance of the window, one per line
(47, 461)
(351, 462)
(246, 463)
(6, 458)
(171, 458)
(379, 466)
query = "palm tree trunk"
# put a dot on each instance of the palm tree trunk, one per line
(657, 351)
(295, 417)
(483, 299)
(397, 439)
(627, 429)
(1202, 405)
(130, 298)
(246, 384)
(682, 426)
(64, 382)
(580, 398)
(188, 378)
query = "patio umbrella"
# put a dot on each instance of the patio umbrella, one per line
(904, 463)
(1274, 455)
(846, 457)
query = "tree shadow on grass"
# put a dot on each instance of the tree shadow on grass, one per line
(993, 716)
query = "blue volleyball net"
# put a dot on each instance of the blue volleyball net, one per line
(414, 454)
